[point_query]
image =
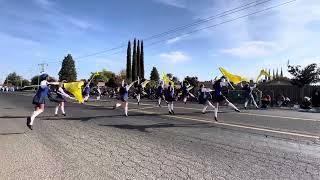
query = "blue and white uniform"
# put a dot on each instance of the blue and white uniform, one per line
(42, 93)
(124, 93)
(204, 97)
(169, 96)
(219, 97)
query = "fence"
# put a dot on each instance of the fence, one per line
(293, 92)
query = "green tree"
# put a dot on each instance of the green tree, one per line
(68, 69)
(193, 81)
(25, 82)
(103, 76)
(134, 61)
(13, 79)
(154, 75)
(304, 76)
(138, 60)
(142, 61)
(112, 82)
(34, 80)
(129, 73)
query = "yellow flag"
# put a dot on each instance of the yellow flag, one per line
(145, 83)
(75, 89)
(263, 72)
(166, 79)
(232, 78)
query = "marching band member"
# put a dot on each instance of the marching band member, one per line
(185, 92)
(170, 98)
(248, 94)
(124, 96)
(204, 96)
(160, 93)
(61, 99)
(219, 97)
(39, 99)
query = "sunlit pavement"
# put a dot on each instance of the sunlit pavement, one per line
(95, 142)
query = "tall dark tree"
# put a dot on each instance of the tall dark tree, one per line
(154, 75)
(68, 70)
(269, 78)
(281, 73)
(273, 75)
(277, 74)
(129, 73)
(138, 60)
(142, 61)
(134, 61)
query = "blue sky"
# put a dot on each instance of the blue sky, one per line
(37, 31)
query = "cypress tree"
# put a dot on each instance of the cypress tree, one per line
(142, 61)
(269, 76)
(277, 75)
(129, 73)
(134, 61)
(68, 70)
(138, 60)
(281, 73)
(273, 75)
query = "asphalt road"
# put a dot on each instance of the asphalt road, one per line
(95, 142)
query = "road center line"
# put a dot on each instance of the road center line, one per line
(239, 126)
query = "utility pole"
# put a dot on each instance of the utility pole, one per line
(42, 70)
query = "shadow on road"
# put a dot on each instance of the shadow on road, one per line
(6, 134)
(143, 128)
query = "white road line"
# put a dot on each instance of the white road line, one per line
(242, 126)
(280, 117)
(262, 129)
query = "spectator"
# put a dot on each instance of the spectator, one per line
(266, 101)
(306, 103)
(315, 98)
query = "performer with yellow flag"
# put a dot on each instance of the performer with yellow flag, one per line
(140, 89)
(219, 97)
(169, 96)
(160, 93)
(185, 88)
(61, 99)
(86, 90)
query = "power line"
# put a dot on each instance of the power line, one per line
(224, 22)
(183, 27)
(215, 25)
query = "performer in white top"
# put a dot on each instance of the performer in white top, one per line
(61, 95)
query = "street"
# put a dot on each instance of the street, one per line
(96, 142)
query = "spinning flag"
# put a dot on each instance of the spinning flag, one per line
(232, 78)
(263, 72)
(145, 83)
(75, 89)
(166, 79)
